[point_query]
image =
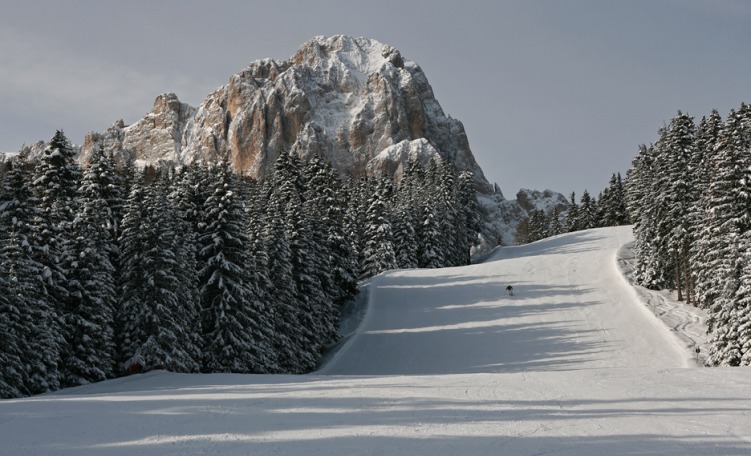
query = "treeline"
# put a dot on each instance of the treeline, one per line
(608, 209)
(200, 270)
(690, 197)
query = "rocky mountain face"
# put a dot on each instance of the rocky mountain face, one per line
(504, 216)
(354, 101)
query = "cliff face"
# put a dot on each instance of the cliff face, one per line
(346, 99)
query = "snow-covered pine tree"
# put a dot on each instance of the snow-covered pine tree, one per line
(613, 204)
(471, 215)
(355, 216)
(639, 201)
(378, 241)
(702, 250)
(12, 375)
(407, 209)
(311, 303)
(40, 328)
(555, 223)
(289, 341)
(258, 257)
(231, 311)
(446, 200)
(573, 222)
(132, 275)
(324, 212)
(537, 226)
(55, 184)
(156, 319)
(587, 213)
(89, 350)
(18, 273)
(672, 199)
(728, 218)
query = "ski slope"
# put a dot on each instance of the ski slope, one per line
(443, 362)
(571, 310)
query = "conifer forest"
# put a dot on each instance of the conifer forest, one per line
(689, 196)
(197, 269)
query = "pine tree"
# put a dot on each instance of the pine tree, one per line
(674, 150)
(321, 216)
(649, 271)
(231, 312)
(587, 213)
(613, 203)
(471, 219)
(555, 223)
(701, 166)
(88, 354)
(537, 226)
(572, 219)
(55, 185)
(729, 222)
(378, 250)
(156, 318)
(17, 273)
(289, 342)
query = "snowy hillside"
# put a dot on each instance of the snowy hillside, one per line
(444, 362)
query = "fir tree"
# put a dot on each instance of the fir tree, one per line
(378, 250)
(231, 311)
(573, 222)
(289, 340)
(587, 213)
(89, 350)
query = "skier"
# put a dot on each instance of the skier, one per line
(510, 290)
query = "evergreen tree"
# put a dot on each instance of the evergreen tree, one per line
(729, 222)
(572, 219)
(88, 354)
(613, 203)
(471, 219)
(32, 322)
(555, 223)
(55, 185)
(378, 250)
(289, 341)
(587, 213)
(537, 226)
(671, 198)
(231, 313)
(18, 274)
(156, 318)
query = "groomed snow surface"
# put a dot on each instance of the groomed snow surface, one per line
(444, 362)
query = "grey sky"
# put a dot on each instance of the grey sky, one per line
(553, 94)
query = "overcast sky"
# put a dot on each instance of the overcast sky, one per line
(553, 94)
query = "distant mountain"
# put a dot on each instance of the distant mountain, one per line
(505, 215)
(356, 102)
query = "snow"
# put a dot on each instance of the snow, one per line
(443, 362)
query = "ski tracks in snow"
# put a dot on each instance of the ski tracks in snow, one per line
(684, 321)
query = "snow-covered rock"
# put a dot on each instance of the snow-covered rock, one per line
(346, 99)
(504, 216)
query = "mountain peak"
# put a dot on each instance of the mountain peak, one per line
(345, 99)
(361, 54)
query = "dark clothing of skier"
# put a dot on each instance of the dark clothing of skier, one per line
(510, 290)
